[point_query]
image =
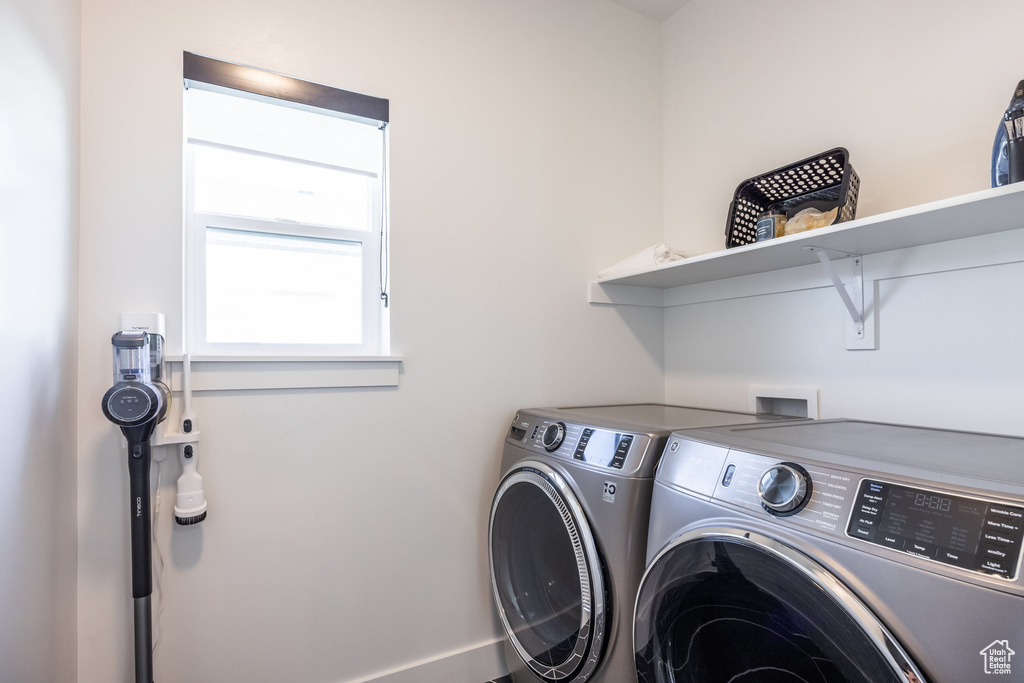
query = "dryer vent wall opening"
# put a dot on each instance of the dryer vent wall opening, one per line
(801, 402)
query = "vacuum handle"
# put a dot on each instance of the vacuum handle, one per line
(139, 460)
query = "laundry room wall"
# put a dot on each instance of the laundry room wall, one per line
(38, 295)
(347, 528)
(914, 90)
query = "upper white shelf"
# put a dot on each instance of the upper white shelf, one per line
(980, 213)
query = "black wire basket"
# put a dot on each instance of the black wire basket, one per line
(823, 182)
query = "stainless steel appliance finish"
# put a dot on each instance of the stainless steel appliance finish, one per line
(568, 531)
(834, 550)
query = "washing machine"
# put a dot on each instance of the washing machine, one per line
(568, 530)
(818, 552)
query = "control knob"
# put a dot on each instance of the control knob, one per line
(553, 436)
(784, 489)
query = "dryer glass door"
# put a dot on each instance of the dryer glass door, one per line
(546, 574)
(736, 606)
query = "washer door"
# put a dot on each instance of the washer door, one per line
(721, 605)
(546, 574)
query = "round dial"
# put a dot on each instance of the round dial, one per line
(784, 489)
(553, 436)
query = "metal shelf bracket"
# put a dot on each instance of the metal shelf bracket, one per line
(855, 304)
(853, 298)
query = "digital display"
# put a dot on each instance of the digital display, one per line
(969, 533)
(932, 501)
(604, 448)
(601, 447)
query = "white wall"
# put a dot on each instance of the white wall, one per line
(346, 533)
(38, 265)
(914, 90)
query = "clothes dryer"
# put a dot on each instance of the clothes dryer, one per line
(568, 530)
(834, 551)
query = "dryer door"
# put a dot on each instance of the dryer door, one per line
(722, 604)
(546, 574)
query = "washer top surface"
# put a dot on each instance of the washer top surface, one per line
(660, 417)
(967, 454)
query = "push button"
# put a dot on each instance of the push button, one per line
(869, 510)
(996, 538)
(621, 451)
(955, 558)
(729, 471)
(919, 548)
(865, 520)
(1006, 512)
(1005, 525)
(993, 566)
(582, 445)
(994, 552)
(863, 532)
(872, 496)
(891, 541)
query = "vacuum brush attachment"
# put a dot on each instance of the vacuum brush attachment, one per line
(190, 505)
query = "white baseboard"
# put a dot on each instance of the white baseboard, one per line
(474, 664)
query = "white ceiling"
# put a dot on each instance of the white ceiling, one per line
(659, 10)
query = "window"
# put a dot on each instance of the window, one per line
(286, 213)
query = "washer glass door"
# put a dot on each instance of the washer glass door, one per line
(735, 606)
(545, 574)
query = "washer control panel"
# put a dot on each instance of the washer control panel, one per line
(596, 446)
(970, 533)
(604, 447)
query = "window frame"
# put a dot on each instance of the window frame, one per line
(327, 101)
(372, 310)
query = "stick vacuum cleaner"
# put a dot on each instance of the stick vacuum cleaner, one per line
(137, 403)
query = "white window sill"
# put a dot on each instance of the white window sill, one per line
(247, 373)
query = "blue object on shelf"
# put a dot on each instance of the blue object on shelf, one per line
(1008, 148)
(1000, 158)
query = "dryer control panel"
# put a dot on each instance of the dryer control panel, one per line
(828, 501)
(980, 535)
(970, 533)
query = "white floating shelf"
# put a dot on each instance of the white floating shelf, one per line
(981, 213)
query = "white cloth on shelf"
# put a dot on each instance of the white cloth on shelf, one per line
(648, 258)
